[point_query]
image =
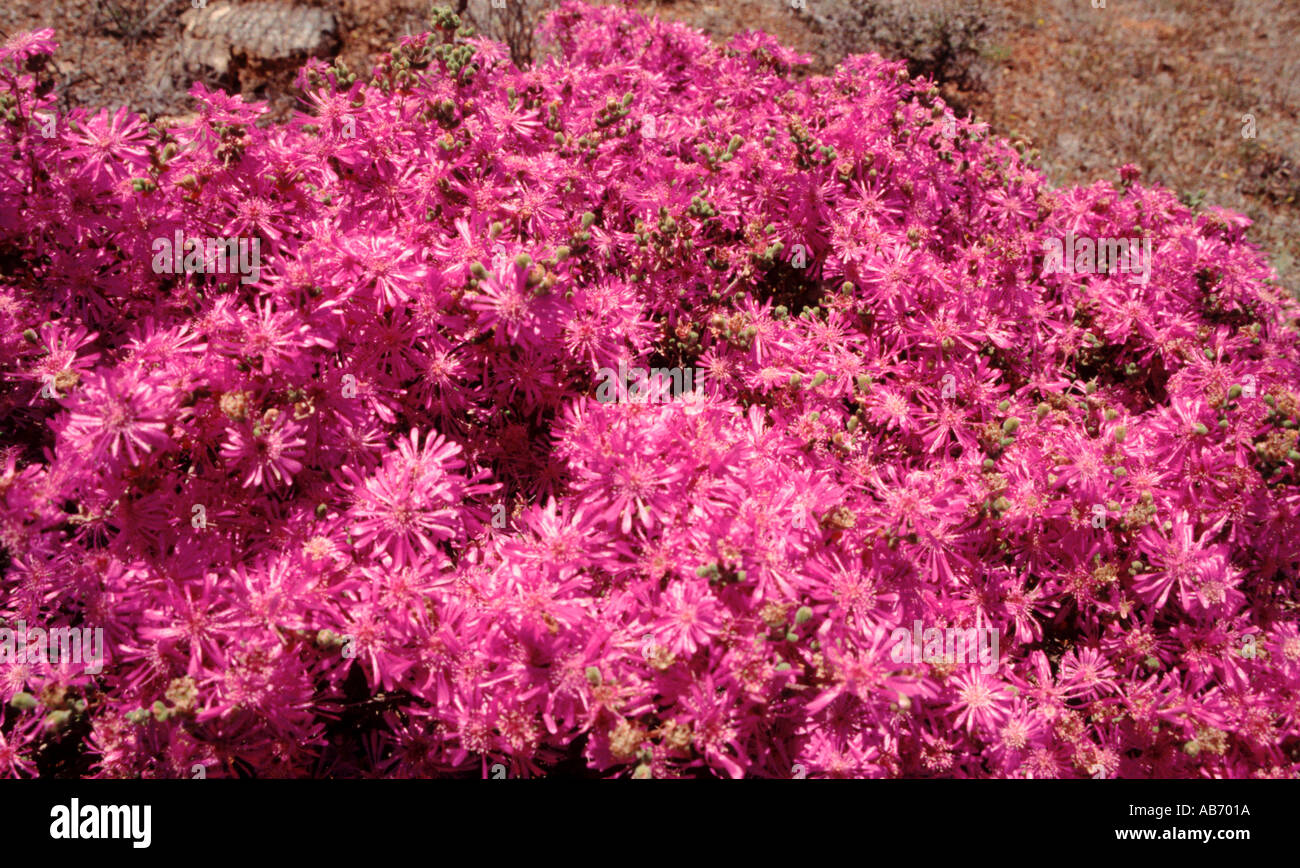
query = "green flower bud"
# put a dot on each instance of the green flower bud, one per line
(804, 615)
(23, 701)
(593, 676)
(1200, 429)
(56, 721)
(588, 218)
(1011, 424)
(1234, 393)
(819, 379)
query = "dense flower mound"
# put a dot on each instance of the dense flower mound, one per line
(358, 498)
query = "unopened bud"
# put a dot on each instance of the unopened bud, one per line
(23, 701)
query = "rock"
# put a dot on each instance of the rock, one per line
(262, 33)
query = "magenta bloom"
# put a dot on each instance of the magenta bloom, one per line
(412, 501)
(119, 419)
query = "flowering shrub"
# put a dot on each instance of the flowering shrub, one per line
(364, 514)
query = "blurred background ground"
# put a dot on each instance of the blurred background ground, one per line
(1169, 85)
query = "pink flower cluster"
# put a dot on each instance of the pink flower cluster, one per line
(363, 515)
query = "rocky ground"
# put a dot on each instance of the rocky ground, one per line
(1171, 85)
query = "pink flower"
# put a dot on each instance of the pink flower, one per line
(119, 418)
(980, 701)
(689, 617)
(413, 501)
(271, 450)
